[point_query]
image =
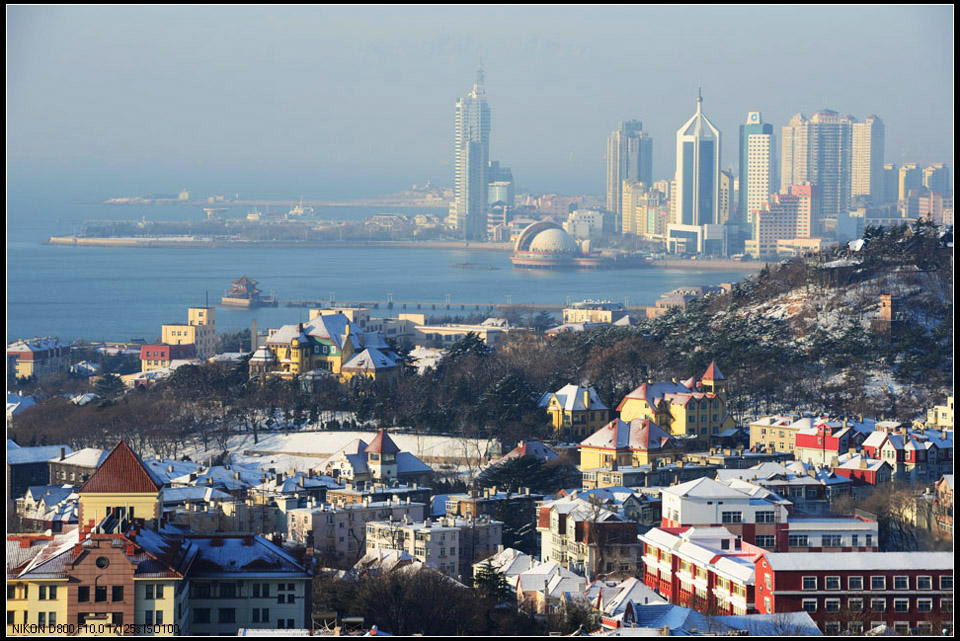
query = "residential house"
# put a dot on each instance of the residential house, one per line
(690, 409)
(627, 443)
(575, 411)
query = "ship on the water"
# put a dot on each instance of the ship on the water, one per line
(244, 293)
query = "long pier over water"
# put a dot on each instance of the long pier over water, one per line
(440, 306)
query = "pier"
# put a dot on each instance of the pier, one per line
(441, 306)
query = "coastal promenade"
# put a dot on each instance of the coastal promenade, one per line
(203, 241)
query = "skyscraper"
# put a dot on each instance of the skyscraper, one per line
(936, 178)
(698, 170)
(819, 151)
(629, 157)
(758, 152)
(867, 156)
(471, 156)
(911, 179)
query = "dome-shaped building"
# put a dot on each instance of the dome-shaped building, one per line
(545, 245)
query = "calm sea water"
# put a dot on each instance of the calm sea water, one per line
(122, 293)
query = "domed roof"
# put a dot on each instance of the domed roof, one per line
(554, 241)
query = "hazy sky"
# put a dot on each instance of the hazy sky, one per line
(336, 102)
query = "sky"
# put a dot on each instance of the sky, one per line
(345, 102)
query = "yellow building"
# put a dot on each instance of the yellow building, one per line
(37, 357)
(626, 444)
(200, 331)
(691, 408)
(594, 311)
(108, 571)
(575, 411)
(941, 416)
(327, 343)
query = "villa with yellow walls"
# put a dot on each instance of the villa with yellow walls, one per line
(626, 444)
(575, 411)
(689, 408)
(328, 342)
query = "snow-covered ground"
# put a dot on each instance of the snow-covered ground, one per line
(304, 450)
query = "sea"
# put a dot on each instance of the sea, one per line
(122, 294)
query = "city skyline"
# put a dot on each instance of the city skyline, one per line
(136, 100)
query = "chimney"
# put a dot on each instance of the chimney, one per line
(863, 463)
(586, 398)
(852, 451)
(301, 481)
(63, 453)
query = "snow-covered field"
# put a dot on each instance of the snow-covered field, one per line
(304, 450)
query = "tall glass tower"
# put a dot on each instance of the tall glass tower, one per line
(698, 171)
(471, 156)
(630, 158)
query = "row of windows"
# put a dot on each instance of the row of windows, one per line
(43, 618)
(46, 592)
(877, 583)
(99, 593)
(877, 605)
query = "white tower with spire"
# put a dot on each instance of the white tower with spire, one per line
(471, 156)
(698, 170)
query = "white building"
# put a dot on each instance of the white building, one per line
(758, 161)
(698, 177)
(867, 157)
(471, 157)
(436, 544)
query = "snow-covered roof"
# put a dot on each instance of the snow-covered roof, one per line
(640, 434)
(371, 360)
(90, 457)
(36, 454)
(243, 556)
(886, 561)
(509, 562)
(571, 398)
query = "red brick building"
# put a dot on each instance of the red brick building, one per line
(907, 591)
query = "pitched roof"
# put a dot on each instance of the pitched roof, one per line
(638, 434)
(571, 398)
(122, 472)
(713, 373)
(382, 444)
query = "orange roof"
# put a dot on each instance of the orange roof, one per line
(382, 444)
(122, 472)
(713, 373)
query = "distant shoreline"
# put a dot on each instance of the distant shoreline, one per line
(212, 243)
(163, 242)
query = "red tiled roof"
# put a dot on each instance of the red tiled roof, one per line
(382, 444)
(713, 373)
(122, 471)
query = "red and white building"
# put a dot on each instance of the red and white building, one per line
(907, 591)
(707, 569)
(825, 441)
(762, 518)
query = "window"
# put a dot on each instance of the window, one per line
(924, 605)
(832, 583)
(924, 583)
(148, 591)
(765, 541)
(52, 591)
(11, 617)
(901, 583)
(855, 583)
(810, 605)
(41, 618)
(11, 592)
(809, 583)
(117, 593)
(878, 605)
(901, 605)
(202, 615)
(832, 628)
(831, 605)
(878, 583)
(797, 541)
(83, 593)
(946, 605)
(946, 583)
(855, 605)
(765, 517)
(160, 591)
(869, 540)
(831, 541)
(51, 618)
(100, 593)
(158, 619)
(227, 615)
(148, 617)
